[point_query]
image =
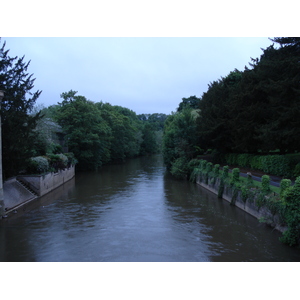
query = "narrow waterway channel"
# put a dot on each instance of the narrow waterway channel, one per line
(136, 212)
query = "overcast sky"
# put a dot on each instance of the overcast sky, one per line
(146, 75)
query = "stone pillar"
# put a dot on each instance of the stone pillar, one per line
(2, 209)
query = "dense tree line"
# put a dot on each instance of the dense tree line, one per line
(255, 110)
(97, 133)
(252, 111)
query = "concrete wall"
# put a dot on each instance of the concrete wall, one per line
(43, 184)
(248, 206)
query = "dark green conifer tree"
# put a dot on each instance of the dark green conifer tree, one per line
(18, 125)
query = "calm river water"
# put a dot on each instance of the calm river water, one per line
(136, 212)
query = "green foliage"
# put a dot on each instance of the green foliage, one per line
(191, 102)
(244, 193)
(191, 166)
(216, 170)
(280, 165)
(149, 144)
(284, 185)
(225, 173)
(203, 164)
(156, 120)
(98, 133)
(50, 163)
(243, 160)
(256, 109)
(57, 161)
(37, 165)
(194, 174)
(72, 161)
(179, 137)
(214, 124)
(88, 135)
(209, 167)
(18, 135)
(287, 209)
(255, 162)
(291, 214)
(296, 171)
(265, 182)
(235, 176)
(179, 168)
(275, 164)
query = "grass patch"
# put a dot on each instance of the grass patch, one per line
(256, 184)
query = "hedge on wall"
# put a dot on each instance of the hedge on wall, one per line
(279, 165)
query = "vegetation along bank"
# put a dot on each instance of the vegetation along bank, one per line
(248, 119)
(42, 140)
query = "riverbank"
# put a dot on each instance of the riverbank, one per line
(137, 212)
(248, 205)
(21, 190)
(275, 206)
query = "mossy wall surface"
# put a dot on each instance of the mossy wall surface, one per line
(249, 205)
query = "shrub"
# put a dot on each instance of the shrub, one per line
(276, 164)
(216, 170)
(235, 175)
(193, 163)
(58, 161)
(255, 162)
(291, 214)
(71, 159)
(284, 184)
(244, 193)
(203, 164)
(243, 160)
(265, 183)
(195, 173)
(209, 167)
(225, 172)
(296, 171)
(179, 168)
(231, 158)
(38, 165)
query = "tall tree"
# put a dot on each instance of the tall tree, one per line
(126, 135)
(287, 41)
(18, 125)
(180, 136)
(266, 107)
(87, 133)
(214, 126)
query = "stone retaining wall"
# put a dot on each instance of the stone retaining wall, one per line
(43, 184)
(248, 206)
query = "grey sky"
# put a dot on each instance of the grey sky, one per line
(146, 75)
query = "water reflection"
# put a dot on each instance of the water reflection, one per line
(137, 212)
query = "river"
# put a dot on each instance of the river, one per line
(137, 212)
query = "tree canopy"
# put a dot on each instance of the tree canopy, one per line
(251, 111)
(99, 133)
(255, 110)
(18, 134)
